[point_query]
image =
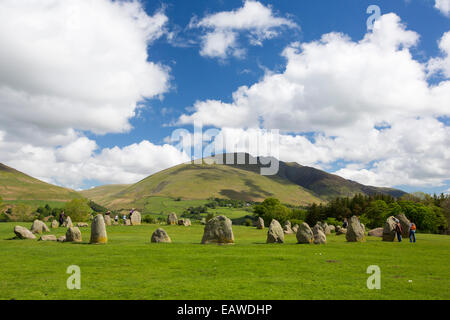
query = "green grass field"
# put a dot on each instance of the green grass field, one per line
(130, 267)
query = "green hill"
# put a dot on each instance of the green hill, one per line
(17, 186)
(196, 182)
(294, 184)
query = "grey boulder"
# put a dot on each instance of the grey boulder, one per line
(218, 230)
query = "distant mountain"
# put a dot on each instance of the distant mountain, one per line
(15, 185)
(294, 184)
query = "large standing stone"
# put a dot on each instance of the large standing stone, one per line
(39, 227)
(55, 224)
(108, 220)
(295, 228)
(23, 233)
(326, 228)
(275, 233)
(389, 229)
(73, 234)
(260, 223)
(98, 230)
(160, 236)
(405, 224)
(317, 227)
(320, 237)
(68, 222)
(287, 229)
(49, 237)
(304, 234)
(172, 219)
(218, 230)
(136, 218)
(355, 232)
(378, 232)
(184, 222)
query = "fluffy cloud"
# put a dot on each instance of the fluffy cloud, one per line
(224, 28)
(72, 66)
(436, 65)
(76, 163)
(443, 6)
(75, 65)
(368, 104)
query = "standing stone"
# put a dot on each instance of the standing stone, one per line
(49, 237)
(136, 218)
(23, 233)
(320, 237)
(108, 220)
(405, 224)
(172, 219)
(260, 223)
(82, 225)
(295, 228)
(184, 222)
(389, 229)
(128, 222)
(160, 236)
(317, 227)
(73, 234)
(304, 234)
(68, 223)
(275, 233)
(55, 224)
(340, 230)
(332, 228)
(98, 230)
(287, 229)
(378, 232)
(39, 227)
(218, 230)
(355, 232)
(61, 239)
(326, 228)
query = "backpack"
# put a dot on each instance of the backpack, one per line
(413, 227)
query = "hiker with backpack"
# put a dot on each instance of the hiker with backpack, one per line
(399, 231)
(412, 232)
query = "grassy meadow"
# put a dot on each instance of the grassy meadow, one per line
(130, 267)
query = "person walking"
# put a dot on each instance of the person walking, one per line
(345, 224)
(116, 219)
(412, 232)
(61, 218)
(124, 220)
(399, 231)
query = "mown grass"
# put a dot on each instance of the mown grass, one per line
(130, 267)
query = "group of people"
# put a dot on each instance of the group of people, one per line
(398, 230)
(116, 218)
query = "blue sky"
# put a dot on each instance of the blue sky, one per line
(89, 139)
(195, 77)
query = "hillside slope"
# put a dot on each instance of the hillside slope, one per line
(191, 181)
(294, 184)
(15, 185)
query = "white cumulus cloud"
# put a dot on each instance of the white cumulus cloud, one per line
(365, 103)
(223, 29)
(443, 6)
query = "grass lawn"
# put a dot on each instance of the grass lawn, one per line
(129, 267)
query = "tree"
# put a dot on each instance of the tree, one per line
(78, 210)
(272, 208)
(375, 214)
